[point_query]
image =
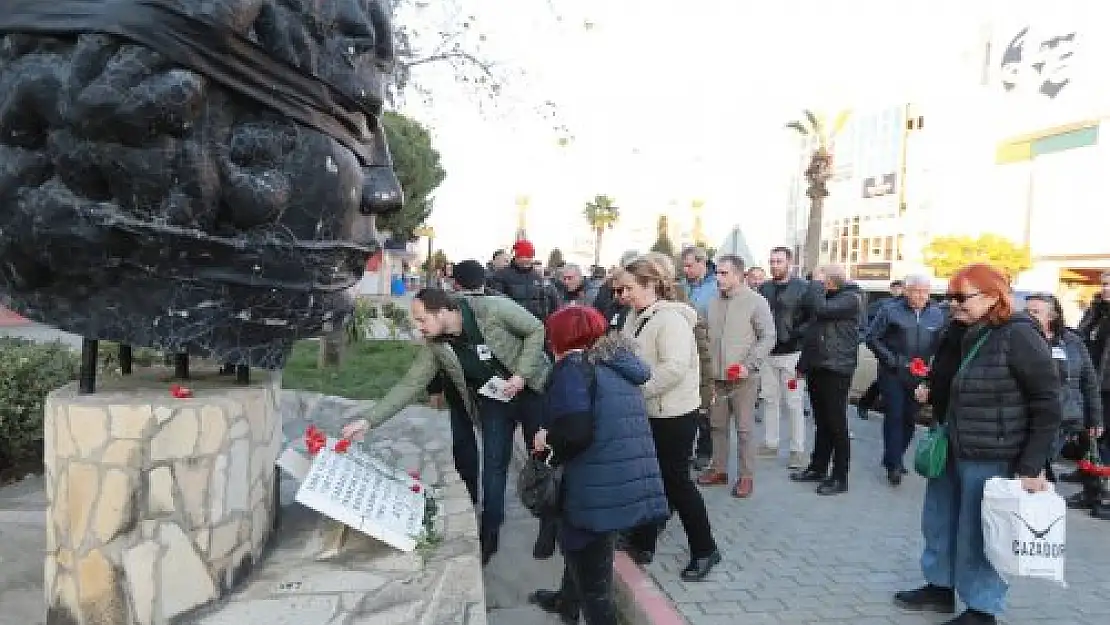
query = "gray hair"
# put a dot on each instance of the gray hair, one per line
(628, 257)
(918, 279)
(699, 254)
(732, 259)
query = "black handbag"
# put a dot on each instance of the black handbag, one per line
(541, 485)
(1075, 442)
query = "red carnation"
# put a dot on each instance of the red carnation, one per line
(918, 368)
(314, 440)
(414, 474)
(792, 384)
(180, 392)
(342, 445)
(735, 371)
(415, 488)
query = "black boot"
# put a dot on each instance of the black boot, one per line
(808, 475)
(488, 540)
(894, 476)
(928, 597)
(700, 567)
(832, 486)
(552, 601)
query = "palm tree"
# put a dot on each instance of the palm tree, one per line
(602, 215)
(818, 173)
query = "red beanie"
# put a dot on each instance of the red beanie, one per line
(524, 249)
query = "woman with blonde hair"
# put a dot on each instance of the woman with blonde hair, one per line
(663, 330)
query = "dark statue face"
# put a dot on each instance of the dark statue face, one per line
(1038, 62)
(145, 202)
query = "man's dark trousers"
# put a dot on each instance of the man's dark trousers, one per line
(828, 393)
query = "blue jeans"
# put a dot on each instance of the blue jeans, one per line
(952, 522)
(899, 422)
(464, 449)
(499, 421)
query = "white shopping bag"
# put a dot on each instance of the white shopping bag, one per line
(1024, 533)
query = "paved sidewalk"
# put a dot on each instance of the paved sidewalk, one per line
(513, 572)
(792, 557)
(22, 541)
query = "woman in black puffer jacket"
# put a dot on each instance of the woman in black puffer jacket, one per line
(995, 384)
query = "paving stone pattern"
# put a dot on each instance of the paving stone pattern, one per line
(793, 557)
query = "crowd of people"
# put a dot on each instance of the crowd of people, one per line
(634, 378)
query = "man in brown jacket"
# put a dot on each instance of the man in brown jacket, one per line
(741, 335)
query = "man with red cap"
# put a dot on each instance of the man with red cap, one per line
(521, 283)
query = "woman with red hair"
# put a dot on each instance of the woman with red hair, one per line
(994, 383)
(598, 431)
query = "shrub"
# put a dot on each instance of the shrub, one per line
(28, 371)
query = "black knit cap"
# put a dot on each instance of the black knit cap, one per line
(470, 275)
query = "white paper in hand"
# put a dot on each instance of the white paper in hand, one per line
(1024, 533)
(497, 388)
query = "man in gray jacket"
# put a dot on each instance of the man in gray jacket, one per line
(741, 335)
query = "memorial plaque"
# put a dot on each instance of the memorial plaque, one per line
(366, 494)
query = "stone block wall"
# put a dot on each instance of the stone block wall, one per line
(156, 505)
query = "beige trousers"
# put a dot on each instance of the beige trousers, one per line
(735, 400)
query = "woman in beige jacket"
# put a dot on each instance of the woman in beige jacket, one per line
(664, 332)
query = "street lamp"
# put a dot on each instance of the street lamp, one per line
(427, 231)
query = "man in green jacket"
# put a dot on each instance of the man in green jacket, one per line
(472, 339)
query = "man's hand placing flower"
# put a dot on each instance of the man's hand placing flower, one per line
(356, 430)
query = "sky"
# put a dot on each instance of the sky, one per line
(664, 102)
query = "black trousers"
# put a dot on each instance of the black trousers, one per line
(587, 586)
(870, 397)
(828, 392)
(703, 448)
(673, 439)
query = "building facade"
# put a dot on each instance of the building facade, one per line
(865, 216)
(1013, 143)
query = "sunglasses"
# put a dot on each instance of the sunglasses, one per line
(961, 298)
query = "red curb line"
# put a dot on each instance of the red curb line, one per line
(643, 601)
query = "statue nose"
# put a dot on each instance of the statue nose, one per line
(381, 191)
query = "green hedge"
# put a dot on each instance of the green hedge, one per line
(28, 371)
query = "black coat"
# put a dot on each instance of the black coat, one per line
(527, 288)
(1005, 404)
(832, 341)
(792, 304)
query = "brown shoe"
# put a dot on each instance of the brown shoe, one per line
(744, 487)
(713, 478)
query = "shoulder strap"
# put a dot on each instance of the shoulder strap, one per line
(973, 351)
(643, 322)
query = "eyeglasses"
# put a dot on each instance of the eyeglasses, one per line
(620, 290)
(961, 298)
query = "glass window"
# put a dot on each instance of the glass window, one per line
(832, 250)
(855, 257)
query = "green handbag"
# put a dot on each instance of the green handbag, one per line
(930, 457)
(931, 454)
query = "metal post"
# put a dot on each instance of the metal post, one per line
(181, 366)
(243, 374)
(227, 369)
(87, 378)
(125, 359)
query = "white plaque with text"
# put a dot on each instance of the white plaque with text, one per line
(366, 494)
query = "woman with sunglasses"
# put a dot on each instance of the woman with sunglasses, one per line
(1079, 388)
(994, 383)
(663, 330)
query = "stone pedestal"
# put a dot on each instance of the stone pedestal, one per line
(156, 505)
